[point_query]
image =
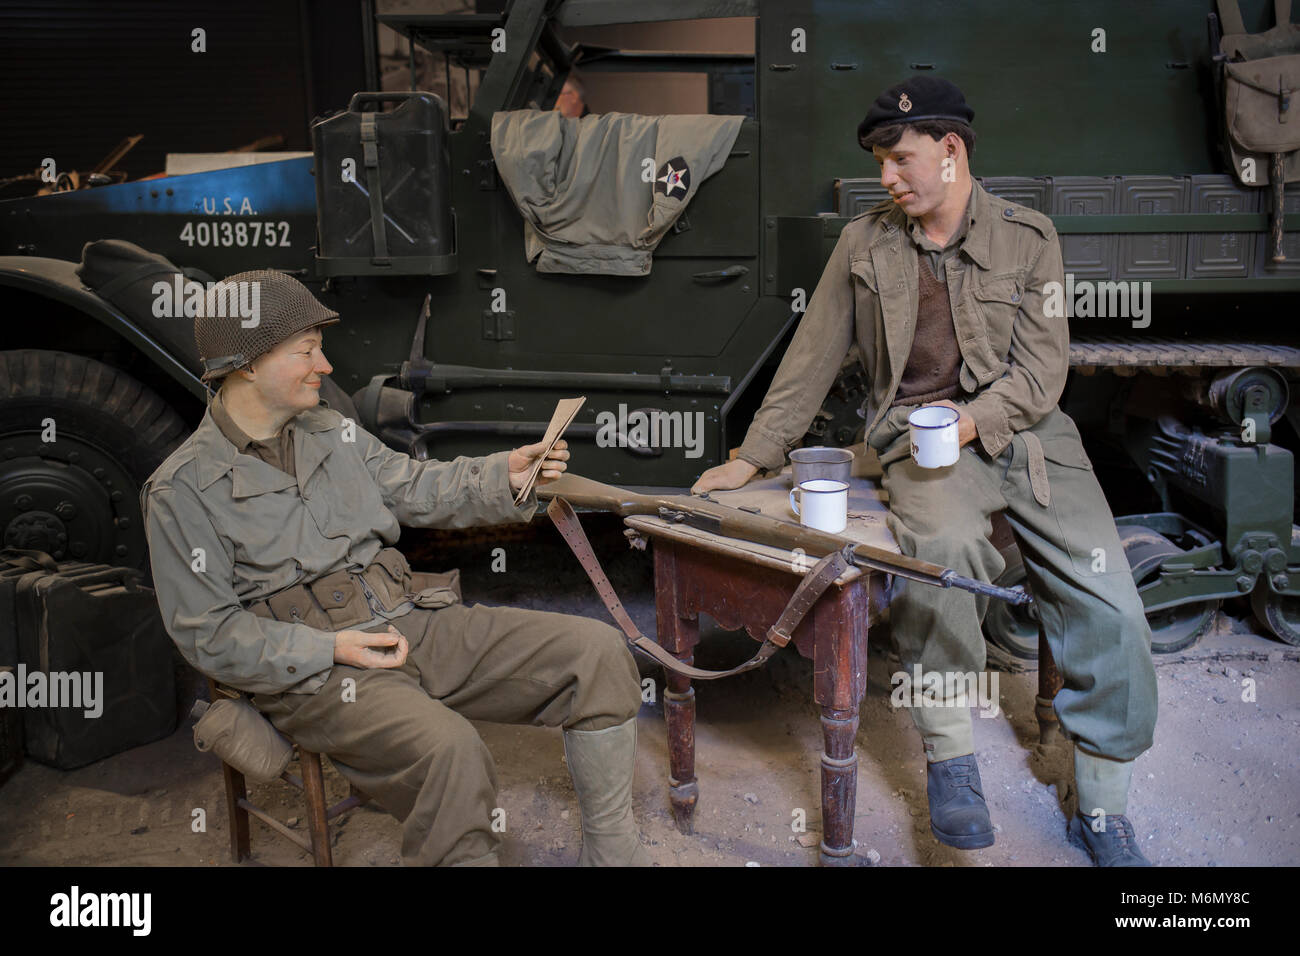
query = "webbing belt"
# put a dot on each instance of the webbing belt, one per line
(805, 596)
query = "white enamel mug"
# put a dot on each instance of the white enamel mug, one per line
(934, 436)
(825, 504)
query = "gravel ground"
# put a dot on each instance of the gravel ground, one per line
(1220, 787)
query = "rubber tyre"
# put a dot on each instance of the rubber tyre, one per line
(99, 411)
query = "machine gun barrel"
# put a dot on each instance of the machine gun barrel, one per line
(732, 523)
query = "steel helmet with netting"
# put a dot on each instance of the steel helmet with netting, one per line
(284, 307)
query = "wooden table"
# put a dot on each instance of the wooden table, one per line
(745, 585)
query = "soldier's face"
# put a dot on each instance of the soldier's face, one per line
(913, 171)
(288, 377)
(569, 102)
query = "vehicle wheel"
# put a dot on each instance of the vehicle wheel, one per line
(1279, 613)
(1176, 628)
(77, 440)
(1013, 628)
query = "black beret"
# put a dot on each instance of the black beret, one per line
(920, 98)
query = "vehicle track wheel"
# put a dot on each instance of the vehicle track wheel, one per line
(1278, 612)
(1015, 629)
(1176, 628)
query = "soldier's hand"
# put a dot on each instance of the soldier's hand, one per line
(966, 431)
(360, 649)
(521, 460)
(725, 477)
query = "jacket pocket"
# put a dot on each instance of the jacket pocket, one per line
(344, 602)
(998, 301)
(296, 606)
(1067, 452)
(865, 270)
(432, 590)
(390, 577)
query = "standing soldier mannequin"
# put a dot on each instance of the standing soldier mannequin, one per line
(270, 536)
(943, 289)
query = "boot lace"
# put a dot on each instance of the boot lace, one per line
(961, 774)
(1124, 837)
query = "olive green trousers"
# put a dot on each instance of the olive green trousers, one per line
(403, 735)
(1088, 604)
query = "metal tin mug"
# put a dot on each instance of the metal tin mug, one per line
(825, 504)
(821, 462)
(935, 442)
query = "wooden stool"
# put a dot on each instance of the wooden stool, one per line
(311, 783)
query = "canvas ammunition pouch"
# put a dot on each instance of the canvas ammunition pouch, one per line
(343, 599)
(1261, 80)
(236, 731)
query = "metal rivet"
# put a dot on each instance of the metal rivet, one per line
(338, 595)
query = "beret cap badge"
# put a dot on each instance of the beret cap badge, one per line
(904, 104)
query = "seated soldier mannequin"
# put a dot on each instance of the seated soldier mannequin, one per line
(270, 533)
(943, 289)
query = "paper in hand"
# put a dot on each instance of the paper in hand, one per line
(565, 412)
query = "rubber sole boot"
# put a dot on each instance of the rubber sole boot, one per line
(1114, 844)
(487, 859)
(959, 817)
(601, 763)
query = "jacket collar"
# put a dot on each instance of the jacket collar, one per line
(215, 456)
(978, 233)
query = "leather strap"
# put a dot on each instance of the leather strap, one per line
(1037, 469)
(805, 596)
(370, 157)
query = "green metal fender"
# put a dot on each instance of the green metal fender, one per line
(57, 279)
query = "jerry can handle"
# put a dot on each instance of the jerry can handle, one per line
(354, 104)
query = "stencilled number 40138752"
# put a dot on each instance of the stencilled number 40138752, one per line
(227, 232)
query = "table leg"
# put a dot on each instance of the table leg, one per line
(840, 659)
(839, 785)
(683, 788)
(679, 632)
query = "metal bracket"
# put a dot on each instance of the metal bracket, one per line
(498, 326)
(702, 522)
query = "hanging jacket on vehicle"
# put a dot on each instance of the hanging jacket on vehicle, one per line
(590, 199)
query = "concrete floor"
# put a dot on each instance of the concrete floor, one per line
(1220, 787)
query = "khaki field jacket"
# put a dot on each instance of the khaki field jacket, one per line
(1014, 357)
(226, 530)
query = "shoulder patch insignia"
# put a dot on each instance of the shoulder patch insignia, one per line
(673, 178)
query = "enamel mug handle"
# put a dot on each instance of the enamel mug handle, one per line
(794, 505)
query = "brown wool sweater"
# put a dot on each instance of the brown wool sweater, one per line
(934, 364)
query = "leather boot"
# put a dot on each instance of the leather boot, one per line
(1112, 844)
(959, 816)
(601, 762)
